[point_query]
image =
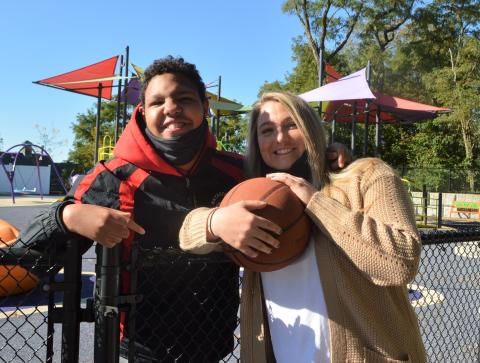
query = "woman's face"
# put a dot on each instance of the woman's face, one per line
(279, 140)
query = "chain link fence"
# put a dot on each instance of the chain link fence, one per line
(188, 311)
(40, 315)
(26, 328)
(458, 180)
(446, 295)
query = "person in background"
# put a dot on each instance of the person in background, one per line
(345, 299)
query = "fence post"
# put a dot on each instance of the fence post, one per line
(449, 180)
(440, 210)
(425, 204)
(71, 302)
(107, 320)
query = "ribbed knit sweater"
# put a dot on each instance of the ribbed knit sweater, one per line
(367, 250)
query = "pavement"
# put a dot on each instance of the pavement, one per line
(28, 200)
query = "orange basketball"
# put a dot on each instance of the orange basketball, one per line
(8, 233)
(16, 280)
(285, 210)
(13, 279)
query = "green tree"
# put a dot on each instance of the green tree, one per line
(442, 48)
(458, 87)
(82, 152)
(326, 22)
(233, 133)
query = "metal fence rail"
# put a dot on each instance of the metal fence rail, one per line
(445, 295)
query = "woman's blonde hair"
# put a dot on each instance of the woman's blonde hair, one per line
(309, 124)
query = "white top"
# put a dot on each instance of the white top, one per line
(297, 313)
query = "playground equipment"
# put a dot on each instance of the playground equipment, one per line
(106, 151)
(36, 154)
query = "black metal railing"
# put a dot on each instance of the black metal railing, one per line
(42, 324)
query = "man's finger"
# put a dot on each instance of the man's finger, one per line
(135, 227)
(120, 217)
(121, 233)
(332, 155)
(341, 160)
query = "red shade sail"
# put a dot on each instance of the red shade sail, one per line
(332, 74)
(86, 80)
(392, 109)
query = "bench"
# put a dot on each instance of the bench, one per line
(465, 208)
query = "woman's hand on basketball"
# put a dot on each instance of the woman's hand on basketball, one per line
(105, 225)
(303, 189)
(237, 226)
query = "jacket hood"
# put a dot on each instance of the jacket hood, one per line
(133, 147)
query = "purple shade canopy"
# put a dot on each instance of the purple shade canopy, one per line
(351, 87)
(133, 94)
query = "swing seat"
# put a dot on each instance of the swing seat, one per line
(24, 190)
(14, 279)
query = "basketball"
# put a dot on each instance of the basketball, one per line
(284, 209)
(14, 279)
(8, 233)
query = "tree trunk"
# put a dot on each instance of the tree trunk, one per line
(468, 144)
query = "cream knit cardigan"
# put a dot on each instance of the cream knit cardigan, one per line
(367, 250)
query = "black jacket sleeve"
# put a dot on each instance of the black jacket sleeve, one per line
(47, 233)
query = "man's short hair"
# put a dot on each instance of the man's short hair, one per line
(174, 65)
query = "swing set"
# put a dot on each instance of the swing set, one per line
(18, 185)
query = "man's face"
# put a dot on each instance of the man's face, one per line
(172, 106)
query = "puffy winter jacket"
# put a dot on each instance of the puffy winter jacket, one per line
(189, 309)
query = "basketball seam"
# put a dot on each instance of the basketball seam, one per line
(262, 198)
(295, 220)
(274, 190)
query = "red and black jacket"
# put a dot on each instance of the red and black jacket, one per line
(188, 311)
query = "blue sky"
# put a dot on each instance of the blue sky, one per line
(247, 42)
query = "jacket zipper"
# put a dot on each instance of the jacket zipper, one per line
(187, 185)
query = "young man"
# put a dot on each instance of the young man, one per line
(165, 165)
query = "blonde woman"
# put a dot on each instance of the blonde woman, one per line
(345, 299)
